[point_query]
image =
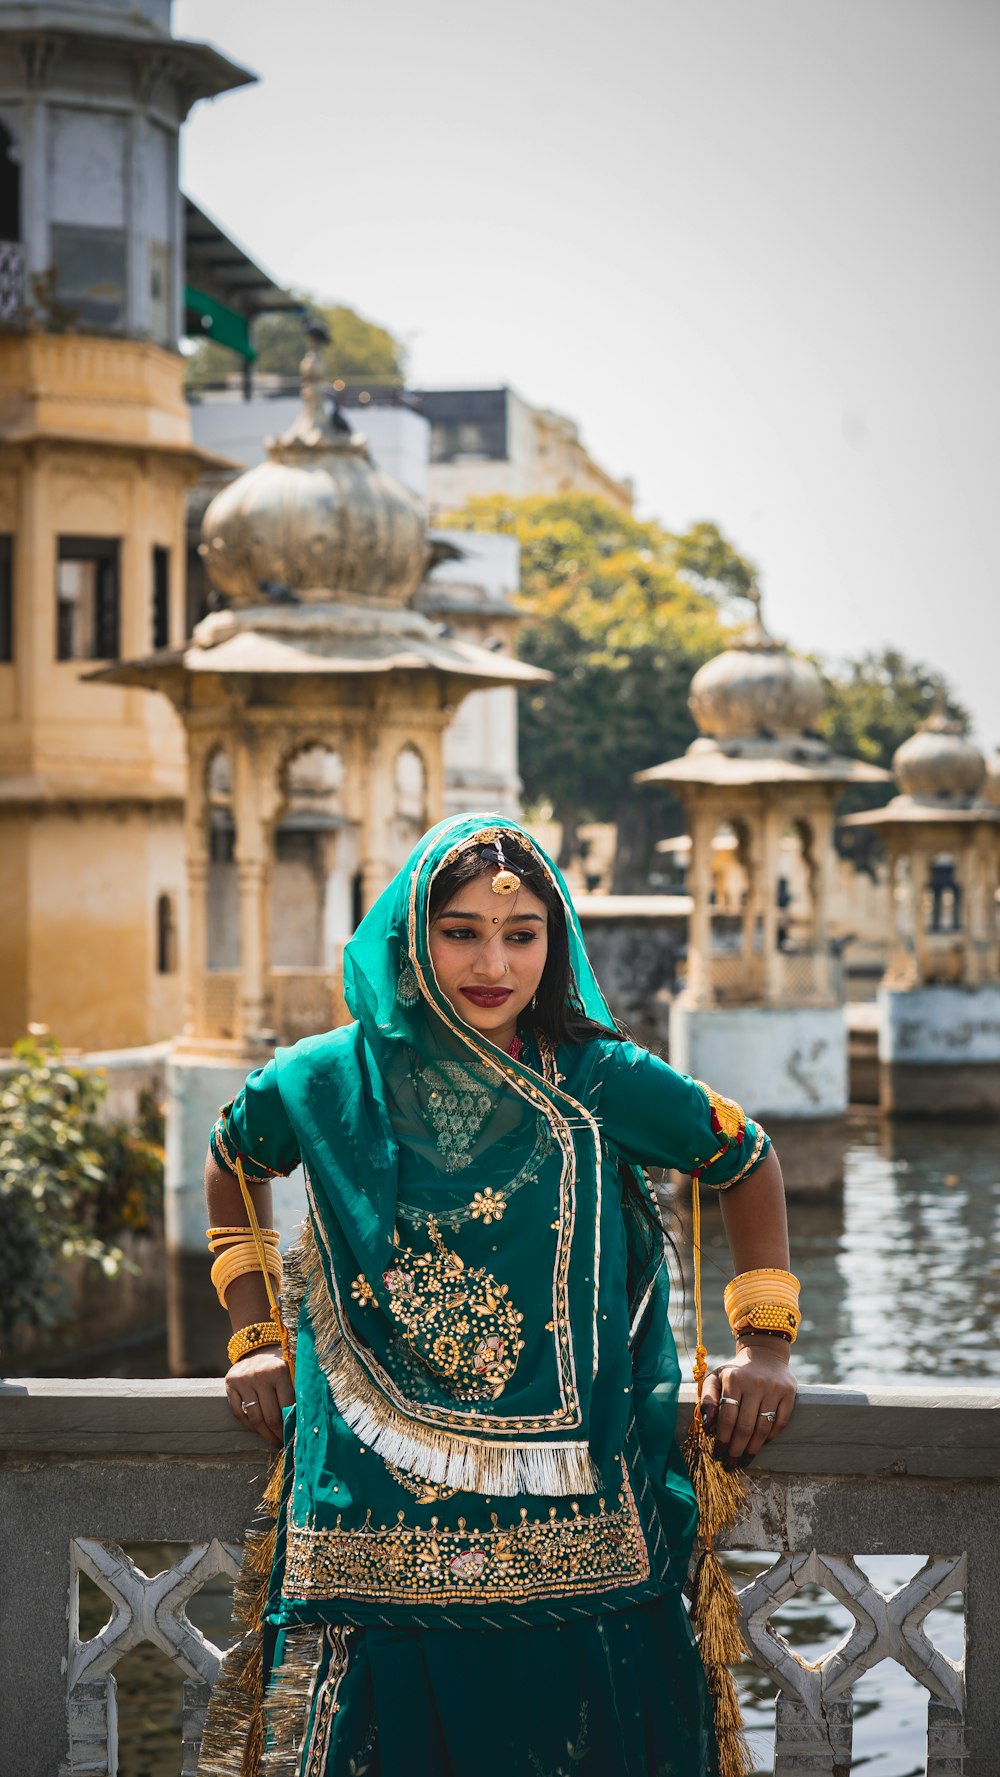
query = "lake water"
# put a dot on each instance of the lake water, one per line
(901, 1284)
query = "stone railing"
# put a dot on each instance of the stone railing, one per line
(88, 1465)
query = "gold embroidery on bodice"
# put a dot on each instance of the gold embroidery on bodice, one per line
(581, 1552)
(457, 1319)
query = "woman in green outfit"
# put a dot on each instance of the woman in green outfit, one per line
(483, 1522)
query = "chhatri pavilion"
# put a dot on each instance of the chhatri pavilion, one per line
(939, 1001)
(762, 1006)
(314, 704)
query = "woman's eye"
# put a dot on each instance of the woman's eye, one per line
(460, 932)
(523, 937)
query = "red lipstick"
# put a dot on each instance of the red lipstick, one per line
(487, 996)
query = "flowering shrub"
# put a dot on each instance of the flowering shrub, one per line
(70, 1184)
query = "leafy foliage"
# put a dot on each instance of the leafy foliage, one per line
(622, 613)
(873, 704)
(70, 1184)
(357, 349)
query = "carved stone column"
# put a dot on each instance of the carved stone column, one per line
(771, 830)
(820, 881)
(902, 970)
(700, 987)
(378, 805)
(920, 858)
(250, 795)
(196, 873)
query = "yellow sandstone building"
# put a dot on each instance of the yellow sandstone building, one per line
(95, 462)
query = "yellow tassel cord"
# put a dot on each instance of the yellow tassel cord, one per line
(722, 1500)
(260, 1244)
(233, 1742)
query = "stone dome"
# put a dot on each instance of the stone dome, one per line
(756, 688)
(938, 761)
(318, 519)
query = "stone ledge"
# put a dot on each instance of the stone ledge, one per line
(929, 1432)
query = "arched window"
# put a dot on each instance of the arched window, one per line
(166, 935)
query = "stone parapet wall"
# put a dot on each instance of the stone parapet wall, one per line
(85, 1466)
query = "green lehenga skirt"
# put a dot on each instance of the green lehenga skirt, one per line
(618, 1695)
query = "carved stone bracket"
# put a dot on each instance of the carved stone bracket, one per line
(145, 1608)
(814, 1717)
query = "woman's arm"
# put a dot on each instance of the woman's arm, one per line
(758, 1377)
(262, 1376)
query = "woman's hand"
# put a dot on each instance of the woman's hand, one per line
(261, 1379)
(736, 1396)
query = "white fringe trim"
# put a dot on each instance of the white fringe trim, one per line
(548, 1467)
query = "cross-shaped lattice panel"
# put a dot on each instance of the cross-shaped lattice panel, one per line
(814, 1713)
(144, 1608)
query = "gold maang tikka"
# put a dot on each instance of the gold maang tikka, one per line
(505, 882)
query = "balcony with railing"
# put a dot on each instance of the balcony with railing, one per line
(12, 280)
(86, 1466)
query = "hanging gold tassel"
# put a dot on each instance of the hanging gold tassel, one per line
(722, 1499)
(235, 1724)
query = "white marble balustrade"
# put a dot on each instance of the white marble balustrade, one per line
(88, 1465)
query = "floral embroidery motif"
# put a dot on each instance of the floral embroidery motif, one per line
(457, 1108)
(459, 1321)
(489, 1204)
(362, 1291)
(586, 1552)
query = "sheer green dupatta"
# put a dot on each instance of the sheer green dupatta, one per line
(411, 1092)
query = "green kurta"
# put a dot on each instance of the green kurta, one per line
(486, 1388)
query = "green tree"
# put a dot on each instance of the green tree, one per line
(622, 612)
(358, 349)
(873, 704)
(70, 1185)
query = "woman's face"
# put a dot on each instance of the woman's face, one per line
(488, 952)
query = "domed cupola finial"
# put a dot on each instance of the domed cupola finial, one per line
(318, 518)
(939, 762)
(756, 689)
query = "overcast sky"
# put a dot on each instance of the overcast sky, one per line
(751, 247)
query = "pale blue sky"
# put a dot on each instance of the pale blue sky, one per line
(752, 246)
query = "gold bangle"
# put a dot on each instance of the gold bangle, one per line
(211, 1233)
(247, 1268)
(221, 1238)
(769, 1316)
(232, 1240)
(768, 1275)
(254, 1337)
(241, 1260)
